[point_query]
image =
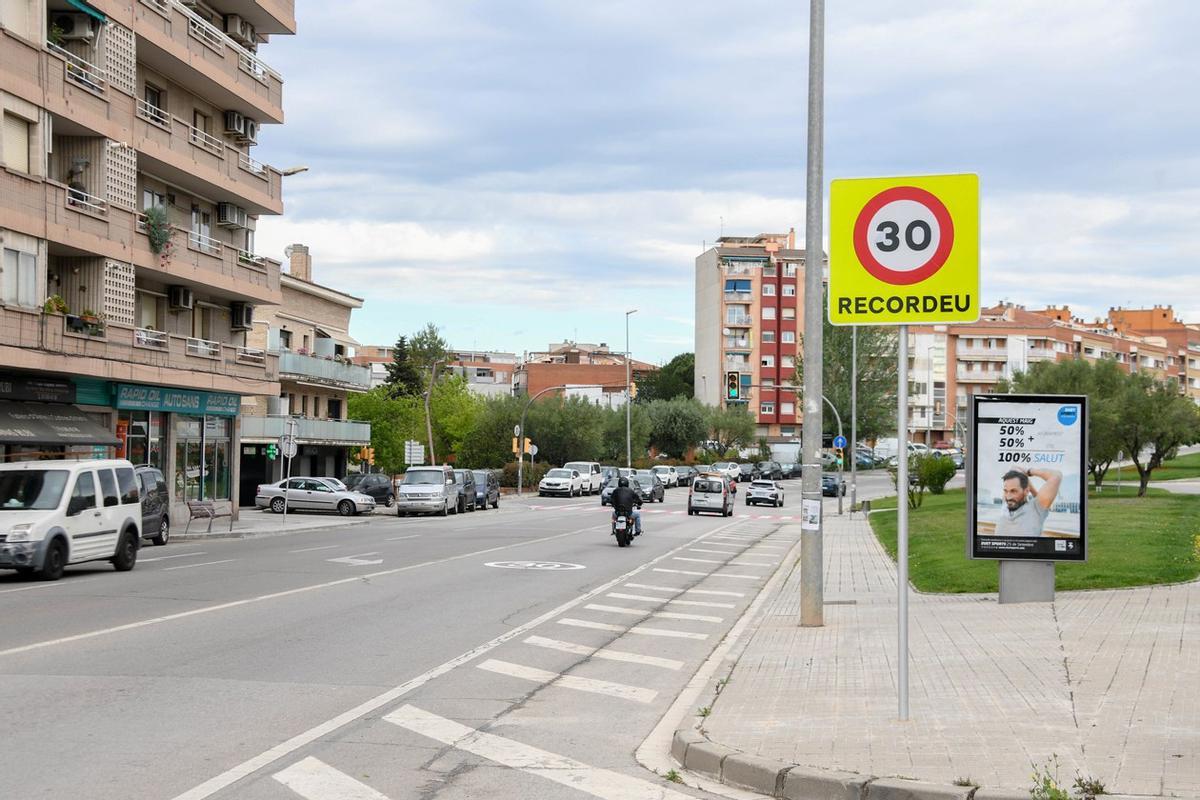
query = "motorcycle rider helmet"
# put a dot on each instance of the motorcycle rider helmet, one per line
(623, 483)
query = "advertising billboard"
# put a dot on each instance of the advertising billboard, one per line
(1027, 478)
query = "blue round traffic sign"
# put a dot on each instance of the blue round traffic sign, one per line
(839, 441)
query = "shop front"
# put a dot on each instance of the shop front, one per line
(39, 420)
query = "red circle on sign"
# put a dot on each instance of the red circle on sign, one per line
(897, 277)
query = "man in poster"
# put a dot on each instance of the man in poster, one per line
(1026, 518)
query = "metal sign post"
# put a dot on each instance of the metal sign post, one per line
(902, 522)
(287, 446)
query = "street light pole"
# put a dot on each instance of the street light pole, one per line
(628, 399)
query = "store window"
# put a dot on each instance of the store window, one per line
(143, 437)
(202, 470)
(216, 458)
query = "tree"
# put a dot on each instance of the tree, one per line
(489, 444)
(1154, 421)
(394, 420)
(878, 348)
(676, 425)
(730, 427)
(403, 377)
(676, 379)
(455, 413)
(612, 442)
(567, 429)
(427, 346)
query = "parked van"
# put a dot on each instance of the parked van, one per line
(55, 513)
(593, 480)
(710, 492)
(427, 490)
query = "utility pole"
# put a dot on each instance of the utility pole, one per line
(428, 415)
(812, 592)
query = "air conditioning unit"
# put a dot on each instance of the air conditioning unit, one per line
(240, 30)
(242, 315)
(231, 216)
(180, 298)
(249, 134)
(74, 27)
(235, 123)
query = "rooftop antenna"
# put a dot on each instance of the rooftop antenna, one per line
(722, 226)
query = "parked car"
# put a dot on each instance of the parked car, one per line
(952, 453)
(593, 478)
(684, 475)
(427, 490)
(771, 470)
(764, 492)
(64, 512)
(829, 486)
(607, 472)
(786, 469)
(650, 486)
(710, 493)
(464, 483)
(728, 468)
(313, 494)
(746, 473)
(156, 504)
(375, 484)
(607, 491)
(560, 480)
(668, 475)
(487, 489)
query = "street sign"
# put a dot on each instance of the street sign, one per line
(287, 446)
(516, 430)
(414, 452)
(839, 441)
(533, 449)
(904, 250)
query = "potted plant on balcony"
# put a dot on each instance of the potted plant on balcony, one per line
(55, 304)
(159, 232)
(90, 317)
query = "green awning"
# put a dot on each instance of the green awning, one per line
(88, 9)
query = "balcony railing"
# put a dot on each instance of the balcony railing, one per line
(147, 337)
(979, 376)
(324, 369)
(738, 366)
(740, 320)
(152, 113)
(250, 165)
(204, 243)
(738, 297)
(80, 200)
(79, 70)
(998, 353)
(206, 140)
(203, 348)
(322, 431)
(251, 355)
(740, 344)
(215, 38)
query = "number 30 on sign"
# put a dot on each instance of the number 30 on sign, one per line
(904, 250)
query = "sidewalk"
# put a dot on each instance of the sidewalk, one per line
(257, 523)
(1106, 680)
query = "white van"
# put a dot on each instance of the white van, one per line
(593, 481)
(55, 513)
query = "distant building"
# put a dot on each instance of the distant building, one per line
(587, 370)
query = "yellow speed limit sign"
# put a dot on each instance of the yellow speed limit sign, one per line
(904, 250)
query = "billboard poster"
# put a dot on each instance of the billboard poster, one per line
(1027, 478)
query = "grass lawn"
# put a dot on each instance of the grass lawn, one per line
(1183, 467)
(1132, 541)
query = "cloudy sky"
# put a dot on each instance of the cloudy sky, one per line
(524, 171)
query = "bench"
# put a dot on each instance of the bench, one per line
(208, 509)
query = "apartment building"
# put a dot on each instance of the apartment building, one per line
(129, 196)
(488, 373)
(309, 332)
(749, 321)
(592, 371)
(949, 363)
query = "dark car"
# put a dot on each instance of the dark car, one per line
(487, 489)
(786, 469)
(376, 485)
(769, 470)
(156, 504)
(829, 486)
(464, 482)
(649, 486)
(686, 475)
(747, 472)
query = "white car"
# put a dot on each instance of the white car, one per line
(668, 475)
(593, 479)
(55, 513)
(729, 469)
(767, 492)
(567, 482)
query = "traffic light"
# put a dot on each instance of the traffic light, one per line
(528, 444)
(838, 451)
(370, 455)
(633, 389)
(733, 385)
(272, 452)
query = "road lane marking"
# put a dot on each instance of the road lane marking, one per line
(718, 552)
(640, 612)
(311, 549)
(595, 781)
(251, 765)
(47, 585)
(739, 563)
(315, 780)
(402, 538)
(605, 653)
(647, 598)
(702, 574)
(190, 566)
(640, 631)
(359, 560)
(590, 685)
(164, 558)
(699, 560)
(676, 589)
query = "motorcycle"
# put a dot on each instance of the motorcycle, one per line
(622, 528)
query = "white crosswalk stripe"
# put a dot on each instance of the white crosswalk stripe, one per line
(718, 552)
(710, 592)
(604, 652)
(315, 780)
(699, 560)
(699, 603)
(637, 612)
(590, 685)
(639, 630)
(595, 781)
(707, 574)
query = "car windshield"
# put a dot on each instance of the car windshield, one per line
(559, 473)
(644, 473)
(424, 477)
(335, 483)
(481, 476)
(32, 490)
(707, 485)
(578, 466)
(762, 485)
(460, 478)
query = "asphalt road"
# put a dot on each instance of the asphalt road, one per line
(509, 653)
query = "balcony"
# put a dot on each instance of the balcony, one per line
(173, 40)
(56, 343)
(739, 320)
(300, 366)
(1041, 354)
(737, 366)
(978, 376)
(738, 297)
(734, 343)
(983, 353)
(308, 431)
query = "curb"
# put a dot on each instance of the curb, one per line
(778, 779)
(265, 534)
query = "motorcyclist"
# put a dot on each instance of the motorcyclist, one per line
(628, 502)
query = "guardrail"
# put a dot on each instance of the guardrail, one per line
(79, 70)
(203, 348)
(152, 113)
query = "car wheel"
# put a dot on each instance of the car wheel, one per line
(164, 532)
(445, 509)
(389, 501)
(345, 508)
(461, 507)
(56, 561)
(127, 550)
(277, 505)
(496, 502)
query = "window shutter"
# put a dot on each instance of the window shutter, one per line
(16, 143)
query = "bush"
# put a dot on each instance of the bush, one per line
(533, 473)
(935, 472)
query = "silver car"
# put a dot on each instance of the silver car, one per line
(761, 491)
(313, 494)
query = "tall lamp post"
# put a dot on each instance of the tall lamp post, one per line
(628, 399)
